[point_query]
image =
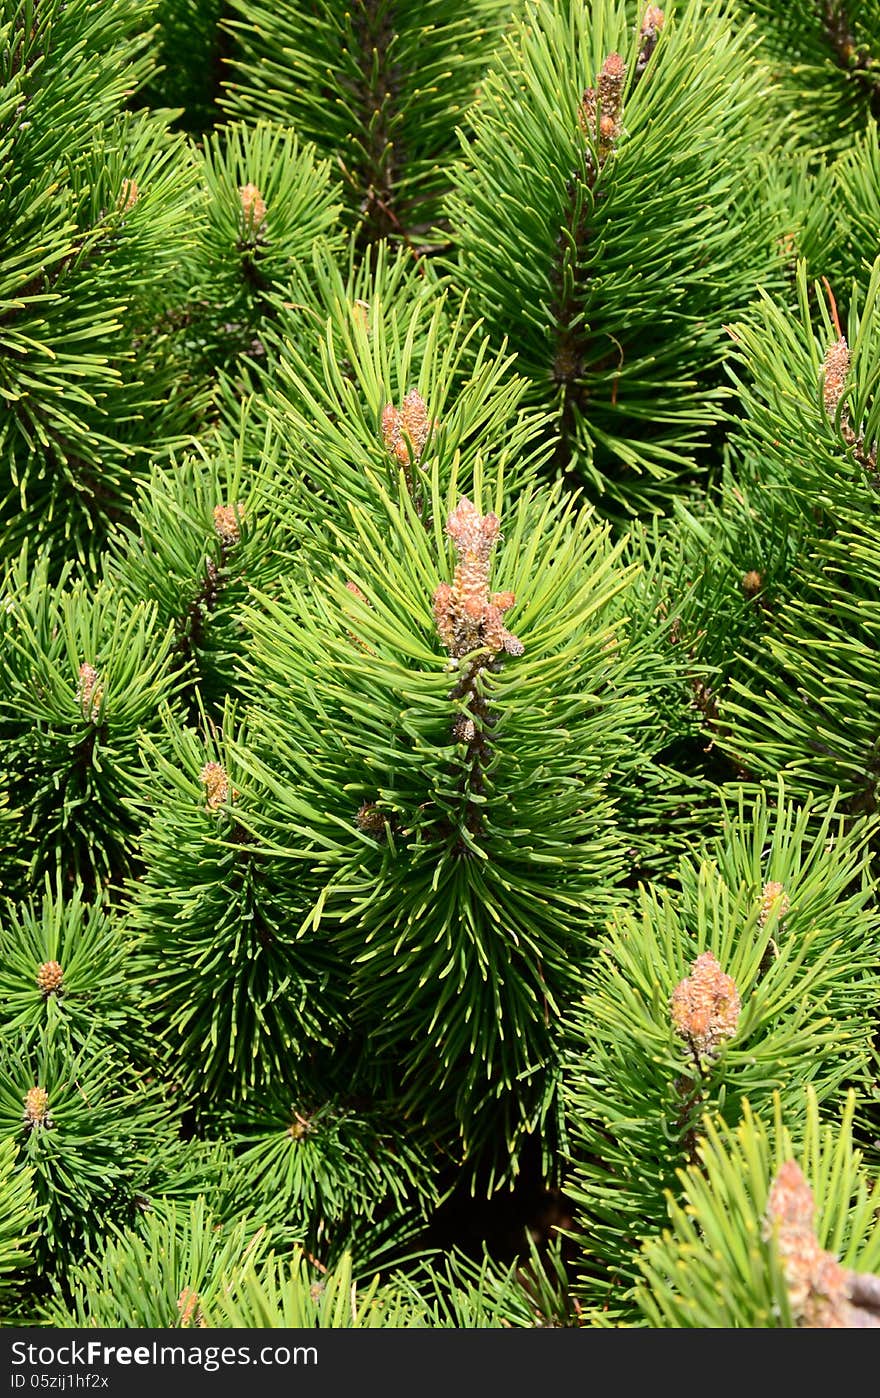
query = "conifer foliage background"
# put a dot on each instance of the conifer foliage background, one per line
(438, 663)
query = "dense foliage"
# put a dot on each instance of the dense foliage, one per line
(439, 622)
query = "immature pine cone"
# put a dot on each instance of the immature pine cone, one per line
(823, 1294)
(835, 373)
(189, 1310)
(89, 692)
(50, 978)
(467, 615)
(227, 523)
(600, 111)
(128, 196)
(406, 430)
(752, 582)
(216, 784)
(773, 899)
(653, 20)
(253, 206)
(36, 1109)
(705, 1005)
(370, 819)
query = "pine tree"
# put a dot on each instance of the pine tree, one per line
(776, 1229)
(81, 673)
(789, 704)
(94, 203)
(628, 159)
(380, 88)
(65, 964)
(825, 64)
(756, 975)
(265, 203)
(19, 1216)
(197, 541)
(188, 48)
(160, 1276)
(381, 371)
(438, 754)
(93, 1135)
(437, 758)
(239, 1000)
